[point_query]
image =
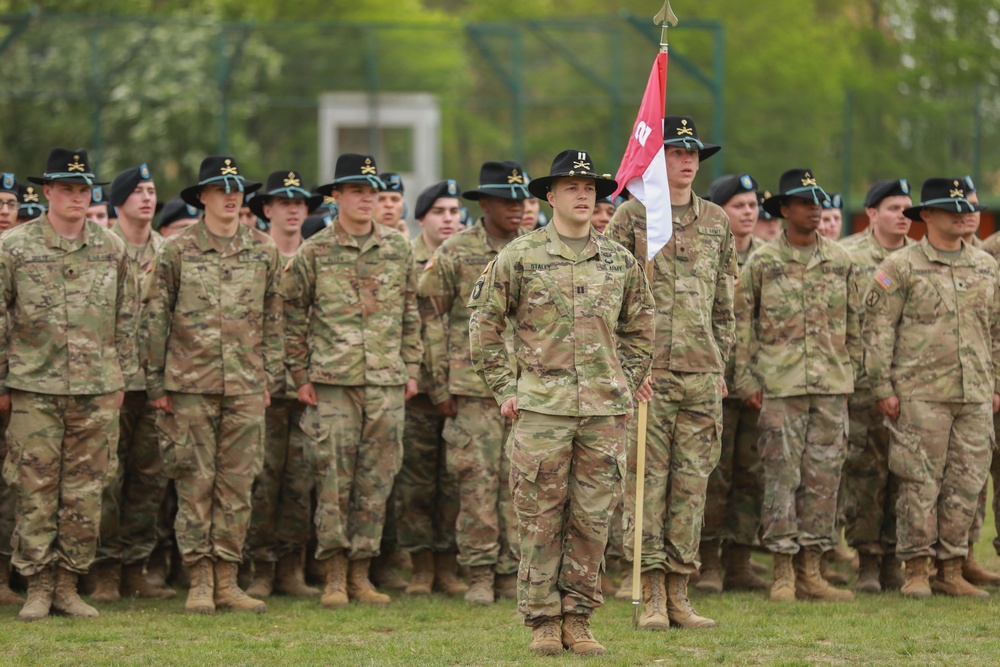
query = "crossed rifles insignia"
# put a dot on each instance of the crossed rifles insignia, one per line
(808, 180)
(30, 195)
(957, 192)
(76, 165)
(684, 129)
(368, 168)
(292, 180)
(515, 177)
(229, 170)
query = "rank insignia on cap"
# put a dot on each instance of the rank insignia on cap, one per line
(292, 180)
(515, 177)
(746, 182)
(228, 169)
(969, 184)
(883, 280)
(30, 196)
(368, 168)
(452, 187)
(808, 180)
(8, 181)
(684, 130)
(957, 192)
(76, 165)
(144, 172)
(904, 186)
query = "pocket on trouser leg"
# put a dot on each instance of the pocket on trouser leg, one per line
(907, 460)
(316, 431)
(12, 461)
(523, 475)
(176, 447)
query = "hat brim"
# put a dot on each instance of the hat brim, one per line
(190, 194)
(257, 203)
(498, 193)
(773, 205)
(705, 152)
(913, 213)
(327, 188)
(540, 187)
(79, 180)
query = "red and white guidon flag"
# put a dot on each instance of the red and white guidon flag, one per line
(644, 169)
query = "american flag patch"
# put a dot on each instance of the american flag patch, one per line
(883, 280)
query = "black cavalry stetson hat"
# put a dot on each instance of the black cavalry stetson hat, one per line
(504, 180)
(353, 168)
(947, 194)
(795, 183)
(218, 170)
(573, 163)
(884, 189)
(680, 131)
(432, 193)
(125, 182)
(726, 187)
(31, 202)
(283, 185)
(69, 167)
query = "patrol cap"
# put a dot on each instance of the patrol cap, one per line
(726, 187)
(353, 168)
(681, 131)
(8, 183)
(314, 224)
(174, 210)
(573, 163)
(503, 180)
(899, 187)
(431, 194)
(218, 170)
(68, 167)
(282, 184)
(946, 194)
(392, 181)
(125, 182)
(800, 183)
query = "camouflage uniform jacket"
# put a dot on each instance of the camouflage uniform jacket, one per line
(141, 259)
(447, 284)
(991, 245)
(421, 256)
(755, 244)
(583, 326)
(932, 330)
(212, 315)
(799, 332)
(68, 311)
(692, 281)
(351, 314)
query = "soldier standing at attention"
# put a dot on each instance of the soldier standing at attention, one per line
(932, 344)
(212, 345)
(692, 282)
(352, 344)
(69, 307)
(797, 355)
(582, 318)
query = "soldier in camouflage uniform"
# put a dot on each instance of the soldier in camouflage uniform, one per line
(582, 319)
(427, 489)
(798, 352)
(692, 281)
(932, 341)
(475, 431)
(736, 487)
(212, 344)
(352, 344)
(871, 491)
(69, 307)
(282, 493)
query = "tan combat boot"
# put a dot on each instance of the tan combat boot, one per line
(546, 637)
(576, 635)
(107, 582)
(446, 577)
(228, 594)
(810, 585)
(40, 590)
(679, 608)
(7, 596)
(291, 576)
(976, 574)
(949, 581)
(654, 602)
(262, 584)
(201, 591)
(65, 599)
(384, 573)
(505, 586)
(359, 587)
(868, 574)
(423, 573)
(335, 590)
(783, 588)
(739, 573)
(916, 584)
(481, 590)
(135, 584)
(827, 572)
(711, 568)
(625, 588)
(891, 575)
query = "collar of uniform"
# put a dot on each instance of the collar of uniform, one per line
(421, 253)
(877, 250)
(343, 238)
(555, 245)
(933, 255)
(694, 211)
(54, 239)
(488, 242)
(206, 241)
(823, 247)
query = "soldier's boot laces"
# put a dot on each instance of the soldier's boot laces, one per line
(625, 589)
(136, 584)
(976, 574)
(784, 586)
(916, 585)
(949, 581)
(891, 575)
(809, 583)
(423, 573)
(383, 572)
(335, 590)
(291, 576)
(107, 582)
(711, 568)
(228, 593)
(576, 635)
(679, 608)
(868, 574)
(201, 591)
(827, 571)
(505, 586)
(7, 596)
(739, 573)
(359, 587)
(654, 602)
(65, 599)
(481, 590)
(262, 584)
(40, 591)
(546, 638)
(446, 577)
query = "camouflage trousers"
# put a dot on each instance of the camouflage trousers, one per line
(976, 532)
(8, 498)
(735, 491)
(355, 446)
(130, 504)
(682, 448)
(616, 534)
(870, 490)
(565, 479)
(427, 491)
(281, 515)
(486, 528)
(941, 454)
(802, 445)
(60, 454)
(213, 448)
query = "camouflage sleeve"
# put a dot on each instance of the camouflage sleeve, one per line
(157, 311)
(622, 229)
(852, 338)
(747, 296)
(995, 333)
(126, 319)
(435, 298)
(492, 299)
(7, 294)
(723, 313)
(298, 287)
(412, 349)
(884, 301)
(635, 328)
(273, 326)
